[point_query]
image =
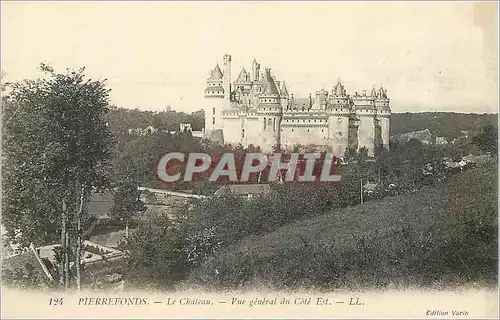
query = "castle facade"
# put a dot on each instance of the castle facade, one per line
(258, 110)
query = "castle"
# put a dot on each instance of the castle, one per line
(258, 110)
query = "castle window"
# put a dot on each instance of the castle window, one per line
(213, 120)
(274, 124)
(265, 123)
(292, 130)
(307, 130)
(243, 133)
(214, 110)
(322, 130)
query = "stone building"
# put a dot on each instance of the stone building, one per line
(258, 110)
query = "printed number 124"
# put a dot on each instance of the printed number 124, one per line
(56, 301)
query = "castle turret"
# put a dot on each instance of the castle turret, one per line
(227, 77)
(215, 94)
(364, 107)
(339, 98)
(255, 70)
(383, 115)
(338, 119)
(270, 113)
(321, 100)
(283, 94)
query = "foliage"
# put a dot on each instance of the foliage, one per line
(57, 146)
(24, 278)
(443, 124)
(156, 254)
(121, 120)
(417, 241)
(127, 201)
(487, 139)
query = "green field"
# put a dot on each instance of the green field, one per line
(437, 237)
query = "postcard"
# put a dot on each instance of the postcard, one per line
(181, 160)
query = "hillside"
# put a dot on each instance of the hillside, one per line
(443, 124)
(439, 236)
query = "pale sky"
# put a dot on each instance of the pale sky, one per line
(439, 56)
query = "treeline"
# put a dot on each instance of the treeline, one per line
(121, 120)
(442, 124)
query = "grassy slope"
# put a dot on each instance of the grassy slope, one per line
(416, 239)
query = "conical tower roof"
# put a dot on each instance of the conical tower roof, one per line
(270, 85)
(216, 73)
(242, 77)
(382, 93)
(374, 93)
(339, 88)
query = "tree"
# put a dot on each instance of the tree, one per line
(157, 255)
(127, 203)
(57, 146)
(487, 139)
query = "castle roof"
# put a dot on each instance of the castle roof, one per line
(242, 76)
(299, 103)
(270, 85)
(374, 93)
(216, 74)
(382, 94)
(283, 89)
(339, 89)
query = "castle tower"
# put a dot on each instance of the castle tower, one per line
(270, 114)
(283, 94)
(338, 119)
(339, 97)
(383, 115)
(215, 102)
(364, 107)
(255, 70)
(226, 84)
(321, 100)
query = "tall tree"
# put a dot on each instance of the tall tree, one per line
(57, 146)
(127, 203)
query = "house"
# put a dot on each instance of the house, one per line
(243, 190)
(185, 127)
